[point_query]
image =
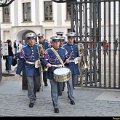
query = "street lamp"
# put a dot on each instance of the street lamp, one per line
(3, 3)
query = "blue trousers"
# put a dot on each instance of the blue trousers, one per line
(32, 87)
(9, 62)
(54, 91)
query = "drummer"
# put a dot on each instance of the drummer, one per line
(52, 60)
(61, 85)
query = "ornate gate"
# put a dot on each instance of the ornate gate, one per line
(97, 24)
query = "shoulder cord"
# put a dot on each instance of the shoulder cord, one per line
(57, 55)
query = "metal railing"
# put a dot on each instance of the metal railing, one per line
(96, 21)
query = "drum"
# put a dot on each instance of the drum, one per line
(62, 74)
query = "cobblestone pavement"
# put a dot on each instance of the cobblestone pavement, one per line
(89, 101)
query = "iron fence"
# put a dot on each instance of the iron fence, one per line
(97, 24)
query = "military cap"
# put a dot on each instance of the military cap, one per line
(59, 33)
(62, 38)
(31, 35)
(40, 35)
(55, 38)
(71, 34)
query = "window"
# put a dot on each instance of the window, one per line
(48, 12)
(26, 11)
(6, 14)
(68, 12)
(69, 30)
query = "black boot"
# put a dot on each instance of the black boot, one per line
(72, 102)
(38, 89)
(46, 84)
(31, 105)
(59, 93)
(56, 110)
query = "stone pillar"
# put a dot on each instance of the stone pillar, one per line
(0, 56)
(0, 61)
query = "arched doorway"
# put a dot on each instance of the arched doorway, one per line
(21, 35)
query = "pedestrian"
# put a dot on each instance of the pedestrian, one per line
(10, 57)
(15, 47)
(105, 47)
(74, 58)
(20, 69)
(30, 54)
(45, 45)
(51, 60)
(115, 46)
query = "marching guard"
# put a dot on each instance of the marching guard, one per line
(52, 61)
(60, 85)
(31, 58)
(73, 56)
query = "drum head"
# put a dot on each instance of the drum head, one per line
(60, 71)
(62, 74)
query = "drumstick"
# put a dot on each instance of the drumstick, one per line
(54, 66)
(69, 56)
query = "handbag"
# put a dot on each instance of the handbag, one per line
(5, 57)
(14, 61)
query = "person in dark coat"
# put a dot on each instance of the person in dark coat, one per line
(10, 56)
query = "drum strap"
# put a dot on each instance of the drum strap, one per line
(57, 55)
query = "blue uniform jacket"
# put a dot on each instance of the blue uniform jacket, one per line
(72, 50)
(51, 58)
(30, 54)
(45, 44)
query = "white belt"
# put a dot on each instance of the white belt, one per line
(71, 61)
(57, 65)
(30, 62)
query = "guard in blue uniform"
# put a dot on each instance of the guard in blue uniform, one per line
(51, 61)
(45, 45)
(31, 57)
(61, 85)
(73, 56)
(62, 40)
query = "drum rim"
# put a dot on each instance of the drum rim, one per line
(61, 68)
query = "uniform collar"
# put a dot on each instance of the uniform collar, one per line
(32, 46)
(70, 44)
(56, 48)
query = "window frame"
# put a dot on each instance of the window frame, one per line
(48, 17)
(7, 18)
(26, 7)
(68, 17)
